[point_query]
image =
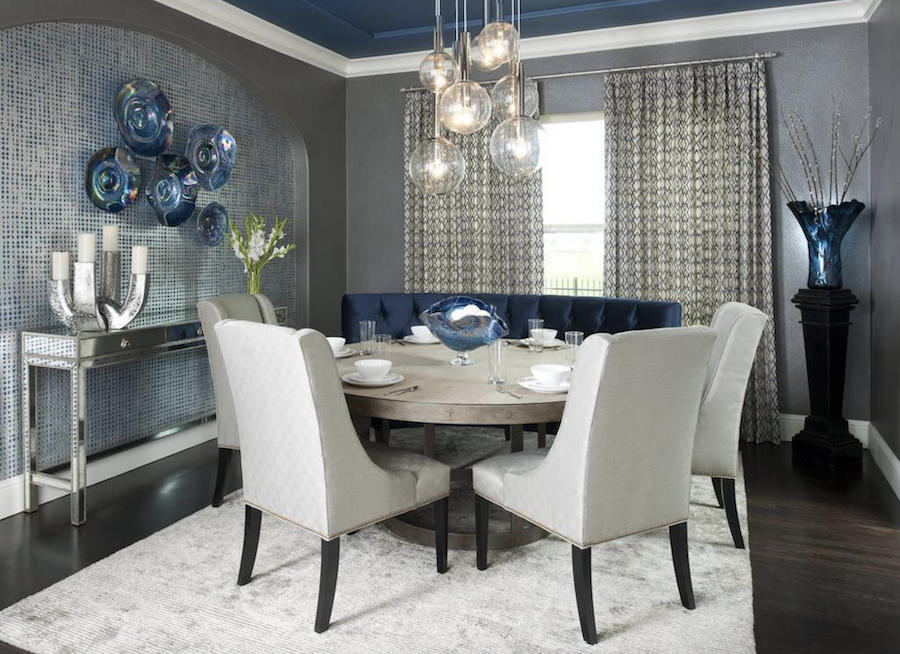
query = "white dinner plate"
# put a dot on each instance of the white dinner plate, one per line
(532, 384)
(354, 379)
(550, 345)
(346, 352)
(421, 341)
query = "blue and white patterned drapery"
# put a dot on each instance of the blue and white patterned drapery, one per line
(688, 202)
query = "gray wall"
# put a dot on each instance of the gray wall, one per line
(307, 101)
(813, 65)
(884, 56)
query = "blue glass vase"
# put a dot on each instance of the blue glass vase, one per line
(825, 229)
(464, 324)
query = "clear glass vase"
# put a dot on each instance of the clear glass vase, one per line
(254, 282)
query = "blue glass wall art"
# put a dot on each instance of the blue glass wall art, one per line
(144, 117)
(212, 152)
(825, 230)
(112, 179)
(212, 223)
(172, 191)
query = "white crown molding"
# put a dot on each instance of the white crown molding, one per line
(777, 19)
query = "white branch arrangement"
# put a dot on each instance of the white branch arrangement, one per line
(837, 189)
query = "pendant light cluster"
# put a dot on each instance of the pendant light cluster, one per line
(463, 106)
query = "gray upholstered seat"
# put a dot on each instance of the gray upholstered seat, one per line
(302, 460)
(620, 464)
(738, 328)
(236, 306)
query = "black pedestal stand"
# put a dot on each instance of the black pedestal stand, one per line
(825, 437)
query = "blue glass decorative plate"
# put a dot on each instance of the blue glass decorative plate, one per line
(212, 153)
(464, 323)
(212, 223)
(112, 179)
(172, 191)
(144, 117)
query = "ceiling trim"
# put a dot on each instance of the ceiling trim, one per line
(778, 19)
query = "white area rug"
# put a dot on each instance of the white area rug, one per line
(175, 592)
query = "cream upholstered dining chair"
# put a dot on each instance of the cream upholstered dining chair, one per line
(301, 457)
(738, 328)
(237, 306)
(621, 462)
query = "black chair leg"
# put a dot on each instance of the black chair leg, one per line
(717, 486)
(441, 531)
(252, 522)
(331, 554)
(731, 512)
(481, 532)
(678, 539)
(584, 595)
(224, 461)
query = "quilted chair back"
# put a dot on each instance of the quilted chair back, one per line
(621, 461)
(738, 328)
(300, 456)
(235, 306)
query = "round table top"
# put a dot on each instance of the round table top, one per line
(449, 394)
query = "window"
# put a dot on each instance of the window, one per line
(574, 203)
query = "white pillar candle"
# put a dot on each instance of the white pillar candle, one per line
(110, 238)
(139, 260)
(60, 266)
(87, 248)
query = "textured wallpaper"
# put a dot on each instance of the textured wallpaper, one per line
(57, 83)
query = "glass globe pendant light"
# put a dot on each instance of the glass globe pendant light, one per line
(438, 71)
(505, 95)
(516, 142)
(498, 42)
(466, 106)
(437, 166)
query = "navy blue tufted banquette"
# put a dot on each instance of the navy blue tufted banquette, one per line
(395, 313)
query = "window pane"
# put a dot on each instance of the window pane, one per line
(573, 184)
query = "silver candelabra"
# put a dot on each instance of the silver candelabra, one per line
(82, 308)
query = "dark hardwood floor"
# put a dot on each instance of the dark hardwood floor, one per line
(825, 547)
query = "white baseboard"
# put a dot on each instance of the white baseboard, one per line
(792, 423)
(885, 458)
(12, 491)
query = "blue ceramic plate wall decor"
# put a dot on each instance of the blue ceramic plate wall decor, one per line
(144, 117)
(112, 179)
(172, 191)
(212, 153)
(212, 223)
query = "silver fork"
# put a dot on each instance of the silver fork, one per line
(507, 392)
(403, 391)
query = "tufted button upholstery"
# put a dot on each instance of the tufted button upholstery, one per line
(396, 313)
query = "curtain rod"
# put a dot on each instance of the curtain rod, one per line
(604, 71)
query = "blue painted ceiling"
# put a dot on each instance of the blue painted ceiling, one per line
(363, 28)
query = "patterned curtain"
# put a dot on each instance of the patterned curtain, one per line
(688, 208)
(487, 237)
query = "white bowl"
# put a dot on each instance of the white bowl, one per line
(421, 332)
(550, 374)
(336, 343)
(372, 369)
(543, 335)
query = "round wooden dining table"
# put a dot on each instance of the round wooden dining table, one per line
(457, 395)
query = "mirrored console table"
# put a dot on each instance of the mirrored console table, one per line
(77, 352)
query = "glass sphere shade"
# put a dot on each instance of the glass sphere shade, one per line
(437, 167)
(478, 59)
(438, 72)
(504, 96)
(497, 44)
(516, 146)
(465, 107)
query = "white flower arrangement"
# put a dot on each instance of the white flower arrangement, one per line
(255, 248)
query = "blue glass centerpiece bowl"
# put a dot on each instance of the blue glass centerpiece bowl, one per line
(212, 223)
(212, 152)
(112, 178)
(825, 230)
(144, 117)
(172, 191)
(464, 324)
